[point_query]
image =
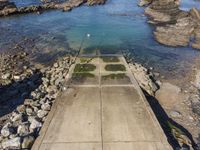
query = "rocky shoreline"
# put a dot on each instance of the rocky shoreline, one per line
(37, 91)
(179, 105)
(9, 8)
(174, 27)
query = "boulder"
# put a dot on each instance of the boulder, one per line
(6, 130)
(23, 129)
(28, 142)
(14, 143)
(35, 124)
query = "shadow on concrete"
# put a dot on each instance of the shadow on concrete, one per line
(165, 120)
(14, 94)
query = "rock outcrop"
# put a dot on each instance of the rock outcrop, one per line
(174, 27)
(7, 7)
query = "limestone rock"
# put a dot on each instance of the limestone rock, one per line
(14, 143)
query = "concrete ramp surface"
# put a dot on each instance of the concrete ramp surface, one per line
(102, 112)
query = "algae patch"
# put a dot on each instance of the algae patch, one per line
(84, 68)
(115, 67)
(114, 76)
(110, 59)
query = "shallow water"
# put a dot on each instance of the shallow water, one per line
(118, 25)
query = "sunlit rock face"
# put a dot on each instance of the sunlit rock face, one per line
(174, 27)
(7, 7)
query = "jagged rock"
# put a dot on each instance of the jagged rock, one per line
(35, 124)
(144, 2)
(21, 108)
(16, 117)
(144, 78)
(23, 129)
(28, 142)
(7, 8)
(46, 107)
(6, 130)
(14, 143)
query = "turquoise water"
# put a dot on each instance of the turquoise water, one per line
(118, 25)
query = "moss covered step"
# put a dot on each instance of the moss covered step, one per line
(84, 68)
(115, 67)
(110, 59)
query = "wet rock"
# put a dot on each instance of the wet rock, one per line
(14, 143)
(28, 142)
(42, 113)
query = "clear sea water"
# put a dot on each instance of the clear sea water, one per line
(118, 25)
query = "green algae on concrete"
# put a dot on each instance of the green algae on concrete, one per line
(115, 67)
(114, 76)
(85, 60)
(84, 67)
(82, 75)
(110, 59)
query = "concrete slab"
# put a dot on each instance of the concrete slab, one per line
(125, 117)
(134, 146)
(72, 146)
(77, 118)
(98, 114)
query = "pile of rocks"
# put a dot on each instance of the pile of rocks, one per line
(145, 78)
(23, 125)
(174, 27)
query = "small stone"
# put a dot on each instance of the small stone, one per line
(42, 113)
(16, 77)
(175, 114)
(35, 124)
(14, 143)
(28, 142)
